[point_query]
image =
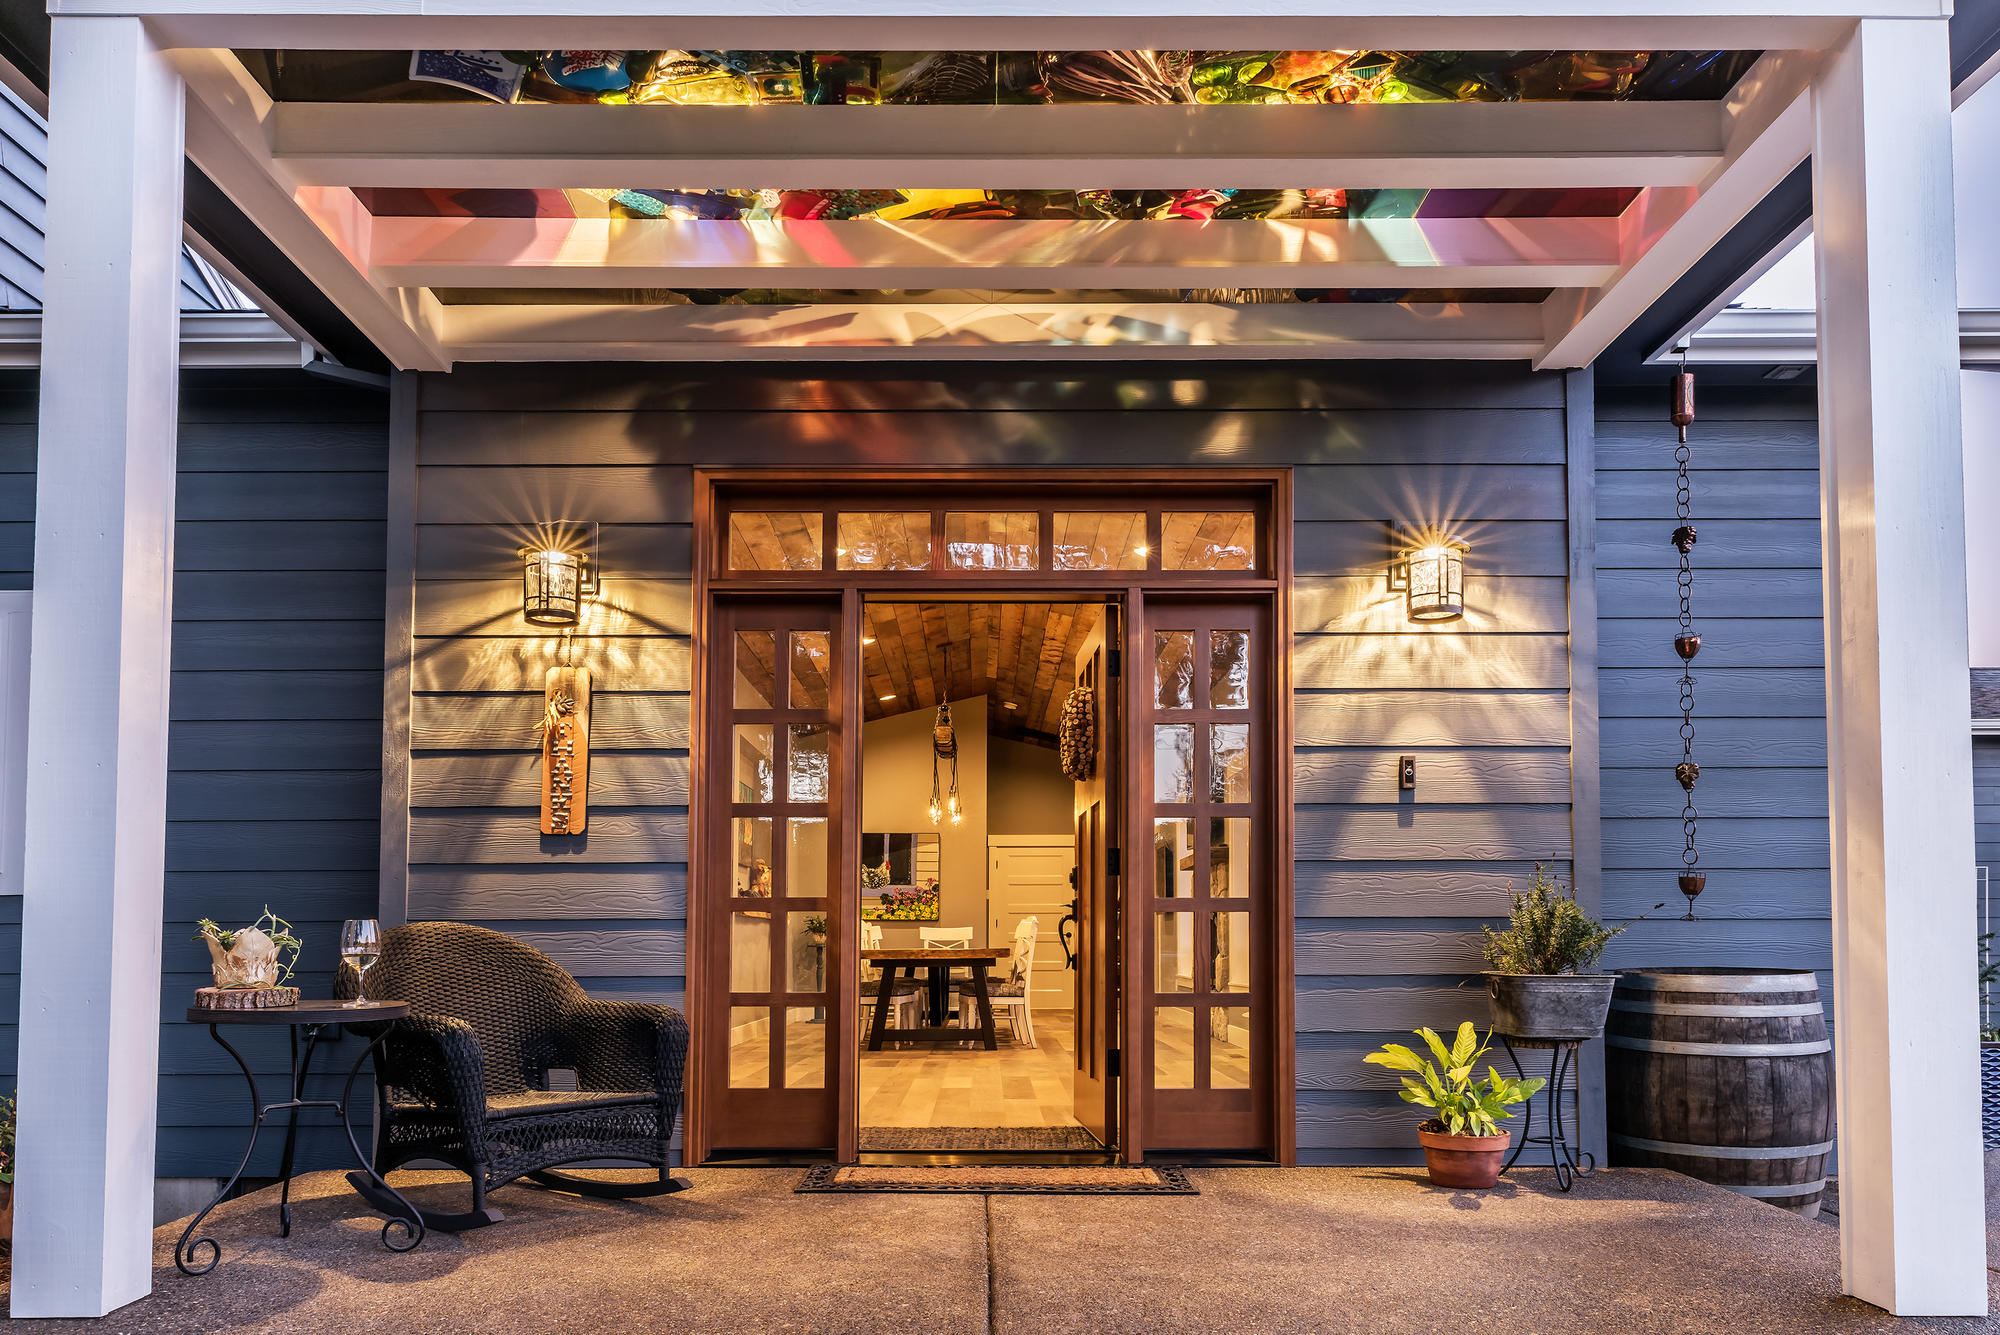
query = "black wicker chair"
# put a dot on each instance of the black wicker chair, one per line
(463, 1079)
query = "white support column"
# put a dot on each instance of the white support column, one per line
(97, 733)
(1912, 1222)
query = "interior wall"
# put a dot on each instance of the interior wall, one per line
(896, 798)
(1026, 790)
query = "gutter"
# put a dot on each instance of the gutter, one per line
(209, 340)
(1768, 337)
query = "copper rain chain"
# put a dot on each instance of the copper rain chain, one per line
(1687, 643)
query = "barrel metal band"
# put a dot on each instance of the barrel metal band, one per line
(1776, 1193)
(1718, 1049)
(1691, 1008)
(1716, 982)
(1722, 1151)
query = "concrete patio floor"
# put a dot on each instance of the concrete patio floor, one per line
(1315, 1249)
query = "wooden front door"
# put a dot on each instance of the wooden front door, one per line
(1098, 891)
(774, 830)
(1205, 888)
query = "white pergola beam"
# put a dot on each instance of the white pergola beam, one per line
(1912, 1223)
(229, 139)
(1426, 146)
(1768, 132)
(976, 332)
(601, 252)
(1009, 25)
(97, 694)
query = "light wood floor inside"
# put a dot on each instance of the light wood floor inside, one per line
(934, 1085)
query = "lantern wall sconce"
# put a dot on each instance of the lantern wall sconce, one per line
(1430, 574)
(559, 572)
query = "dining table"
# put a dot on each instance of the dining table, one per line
(939, 961)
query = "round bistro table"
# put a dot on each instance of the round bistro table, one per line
(314, 1018)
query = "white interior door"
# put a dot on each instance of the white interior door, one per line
(1030, 875)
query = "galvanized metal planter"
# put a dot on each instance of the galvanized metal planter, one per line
(1567, 1006)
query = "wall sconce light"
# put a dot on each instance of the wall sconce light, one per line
(557, 576)
(1431, 577)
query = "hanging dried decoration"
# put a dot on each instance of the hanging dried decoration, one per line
(1076, 735)
(1687, 643)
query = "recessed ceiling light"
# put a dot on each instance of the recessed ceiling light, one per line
(885, 697)
(868, 639)
(1138, 551)
(1009, 704)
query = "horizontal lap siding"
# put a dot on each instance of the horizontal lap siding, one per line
(274, 715)
(275, 722)
(1390, 893)
(1760, 693)
(1391, 888)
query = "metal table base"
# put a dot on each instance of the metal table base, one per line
(410, 1221)
(1569, 1162)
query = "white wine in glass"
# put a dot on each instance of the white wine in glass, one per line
(361, 945)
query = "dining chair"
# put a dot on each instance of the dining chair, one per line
(1013, 993)
(909, 999)
(945, 938)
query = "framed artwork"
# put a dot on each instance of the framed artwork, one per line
(899, 877)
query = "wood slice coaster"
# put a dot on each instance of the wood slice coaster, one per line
(246, 998)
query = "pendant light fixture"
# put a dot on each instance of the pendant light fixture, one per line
(944, 751)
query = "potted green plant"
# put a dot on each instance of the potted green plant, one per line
(816, 929)
(7, 1111)
(1989, 1047)
(1539, 983)
(1463, 1144)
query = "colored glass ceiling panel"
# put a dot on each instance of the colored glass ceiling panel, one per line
(961, 78)
(911, 205)
(1223, 296)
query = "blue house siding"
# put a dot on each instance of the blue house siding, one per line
(275, 712)
(1760, 695)
(1389, 893)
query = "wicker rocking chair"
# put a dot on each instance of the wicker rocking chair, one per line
(464, 1078)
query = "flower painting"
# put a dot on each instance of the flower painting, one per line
(899, 877)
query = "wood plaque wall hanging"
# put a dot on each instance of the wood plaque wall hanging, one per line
(1076, 735)
(565, 750)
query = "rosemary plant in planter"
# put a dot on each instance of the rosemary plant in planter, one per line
(1463, 1144)
(1539, 984)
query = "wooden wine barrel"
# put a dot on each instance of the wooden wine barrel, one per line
(1725, 1075)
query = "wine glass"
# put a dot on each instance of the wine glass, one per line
(360, 944)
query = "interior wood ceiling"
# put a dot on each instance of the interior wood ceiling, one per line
(1013, 653)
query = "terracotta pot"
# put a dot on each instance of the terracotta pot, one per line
(1468, 1163)
(6, 1212)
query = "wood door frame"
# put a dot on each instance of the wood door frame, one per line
(1269, 492)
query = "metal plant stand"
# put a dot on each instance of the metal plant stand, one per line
(314, 1018)
(1569, 1162)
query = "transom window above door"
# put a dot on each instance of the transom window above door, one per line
(1087, 531)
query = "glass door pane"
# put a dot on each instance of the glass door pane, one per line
(775, 802)
(1209, 881)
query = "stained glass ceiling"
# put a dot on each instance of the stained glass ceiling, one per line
(836, 205)
(961, 78)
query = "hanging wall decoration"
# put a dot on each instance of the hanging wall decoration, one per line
(944, 751)
(1076, 735)
(1687, 643)
(565, 750)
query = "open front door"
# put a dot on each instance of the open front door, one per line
(1097, 894)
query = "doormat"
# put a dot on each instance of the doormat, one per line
(978, 1139)
(1023, 1180)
